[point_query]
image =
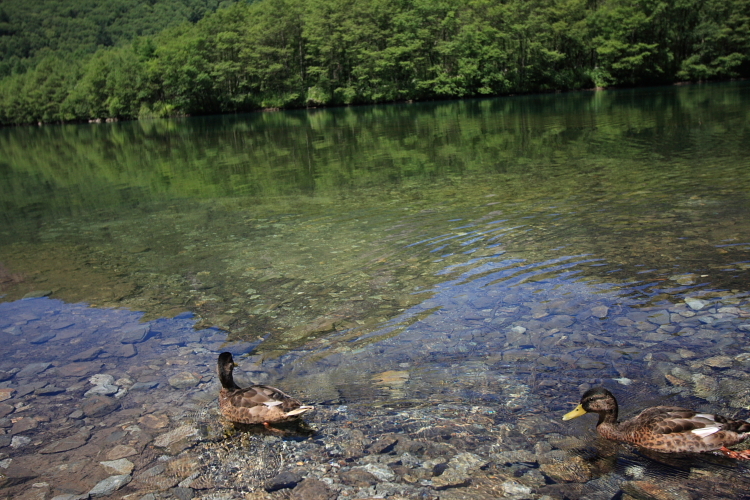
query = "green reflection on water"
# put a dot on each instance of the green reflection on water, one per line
(270, 221)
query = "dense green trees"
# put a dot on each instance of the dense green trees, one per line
(293, 53)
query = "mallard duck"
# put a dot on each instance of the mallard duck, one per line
(666, 429)
(257, 404)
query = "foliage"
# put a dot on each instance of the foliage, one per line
(296, 53)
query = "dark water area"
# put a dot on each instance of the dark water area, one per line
(441, 280)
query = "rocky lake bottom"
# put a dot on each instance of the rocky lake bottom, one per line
(96, 403)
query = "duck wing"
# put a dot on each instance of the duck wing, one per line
(264, 395)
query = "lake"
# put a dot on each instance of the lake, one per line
(441, 280)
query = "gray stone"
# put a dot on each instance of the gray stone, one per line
(101, 390)
(109, 485)
(69, 443)
(659, 317)
(121, 466)
(33, 369)
(696, 304)
(183, 380)
(358, 478)
(45, 337)
(37, 294)
(19, 441)
(182, 493)
(49, 390)
(135, 334)
(286, 479)
(87, 355)
(312, 489)
(186, 431)
(98, 406)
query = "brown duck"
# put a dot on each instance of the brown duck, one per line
(666, 429)
(257, 404)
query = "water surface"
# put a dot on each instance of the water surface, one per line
(496, 256)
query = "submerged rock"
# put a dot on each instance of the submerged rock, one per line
(109, 485)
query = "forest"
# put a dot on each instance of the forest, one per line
(130, 59)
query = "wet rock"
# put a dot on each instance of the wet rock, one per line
(706, 387)
(590, 364)
(76, 415)
(154, 421)
(98, 406)
(5, 375)
(19, 441)
(69, 443)
(102, 390)
(184, 432)
(719, 362)
(32, 369)
(358, 477)
(600, 311)
(87, 355)
(120, 466)
(144, 386)
(696, 304)
(285, 480)
(182, 493)
(571, 469)
(110, 485)
(124, 351)
(23, 425)
(458, 470)
(37, 294)
(380, 471)
(135, 334)
(659, 317)
(45, 337)
(6, 393)
(383, 445)
(560, 321)
(312, 489)
(514, 488)
(79, 369)
(184, 380)
(49, 390)
(121, 451)
(646, 490)
(6, 409)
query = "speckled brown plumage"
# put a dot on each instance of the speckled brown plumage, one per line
(664, 428)
(257, 404)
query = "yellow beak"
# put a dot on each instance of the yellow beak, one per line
(577, 412)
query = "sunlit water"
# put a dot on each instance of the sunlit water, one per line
(411, 265)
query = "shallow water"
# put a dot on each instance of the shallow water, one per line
(455, 272)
